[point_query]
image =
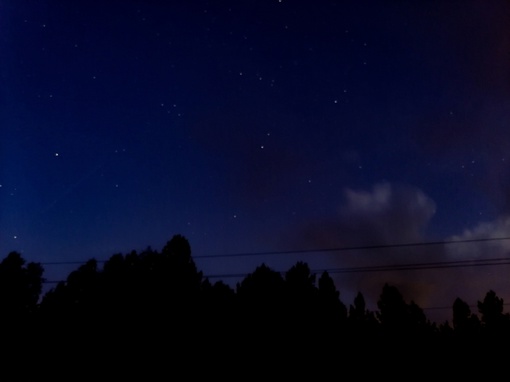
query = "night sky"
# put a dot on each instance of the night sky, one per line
(262, 126)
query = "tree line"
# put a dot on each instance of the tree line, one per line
(155, 308)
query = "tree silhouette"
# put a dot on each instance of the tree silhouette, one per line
(76, 298)
(20, 288)
(358, 312)
(494, 321)
(465, 323)
(72, 321)
(183, 272)
(392, 310)
(262, 311)
(399, 319)
(332, 311)
(141, 307)
(363, 329)
(219, 317)
(301, 295)
(156, 312)
(301, 329)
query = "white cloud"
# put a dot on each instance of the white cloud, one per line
(387, 214)
(391, 214)
(499, 228)
(473, 282)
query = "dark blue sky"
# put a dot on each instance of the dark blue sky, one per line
(256, 126)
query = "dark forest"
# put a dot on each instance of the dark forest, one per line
(154, 314)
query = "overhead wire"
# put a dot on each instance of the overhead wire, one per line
(316, 250)
(355, 248)
(374, 268)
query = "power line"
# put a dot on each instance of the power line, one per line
(374, 268)
(354, 248)
(379, 268)
(317, 250)
(434, 265)
(394, 267)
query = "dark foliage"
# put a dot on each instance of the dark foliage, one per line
(153, 313)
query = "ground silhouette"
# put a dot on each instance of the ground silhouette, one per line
(154, 314)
